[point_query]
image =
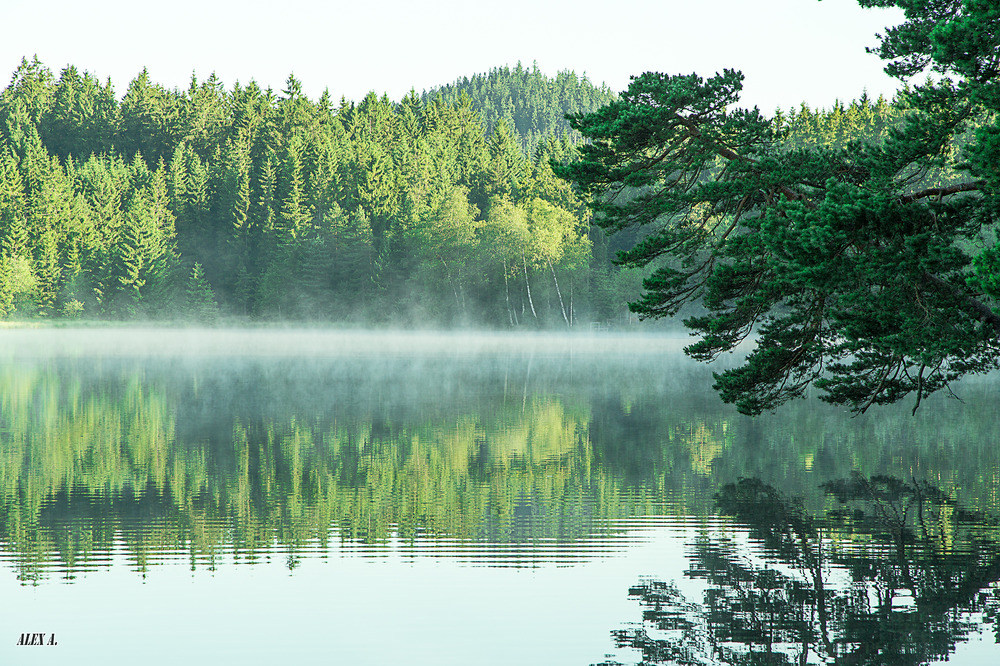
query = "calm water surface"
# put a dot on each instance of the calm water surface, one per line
(375, 498)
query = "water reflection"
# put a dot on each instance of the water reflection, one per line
(499, 456)
(894, 571)
(169, 456)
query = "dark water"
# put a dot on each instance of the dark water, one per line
(322, 497)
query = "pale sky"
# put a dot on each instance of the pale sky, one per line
(790, 50)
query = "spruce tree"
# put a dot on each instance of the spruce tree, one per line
(199, 299)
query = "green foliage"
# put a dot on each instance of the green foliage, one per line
(290, 207)
(844, 245)
(18, 287)
(532, 104)
(199, 299)
(72, 309)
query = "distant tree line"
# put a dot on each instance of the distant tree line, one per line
(247, 203)
(533, 104)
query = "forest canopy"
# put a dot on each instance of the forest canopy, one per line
(866, 268)
(247, 204)
(251, 203)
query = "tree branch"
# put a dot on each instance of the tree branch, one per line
(943, 191)
(984, 312)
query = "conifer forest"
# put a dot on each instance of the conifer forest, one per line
(238, 203)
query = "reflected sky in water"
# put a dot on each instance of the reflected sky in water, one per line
(418, 498)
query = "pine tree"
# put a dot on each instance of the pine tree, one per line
(13, 232)
(507, 169)
(199, 299)
(293, 218)
(848, 274)
(147, 121)
(81, 118)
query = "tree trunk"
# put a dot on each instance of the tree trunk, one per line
(506, 288)
(572, 314)
(454, 284)
(528, 286)
(559, 293)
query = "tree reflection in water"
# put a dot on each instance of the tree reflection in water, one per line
(888, 572)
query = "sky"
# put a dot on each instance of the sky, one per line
(790, 51)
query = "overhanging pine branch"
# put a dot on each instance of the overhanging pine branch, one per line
(984, 313)
(943, 191)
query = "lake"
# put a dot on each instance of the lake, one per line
(349, 497)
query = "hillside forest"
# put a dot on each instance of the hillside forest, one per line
(244, 203)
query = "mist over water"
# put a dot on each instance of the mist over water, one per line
(323, 342)
(534, 477)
